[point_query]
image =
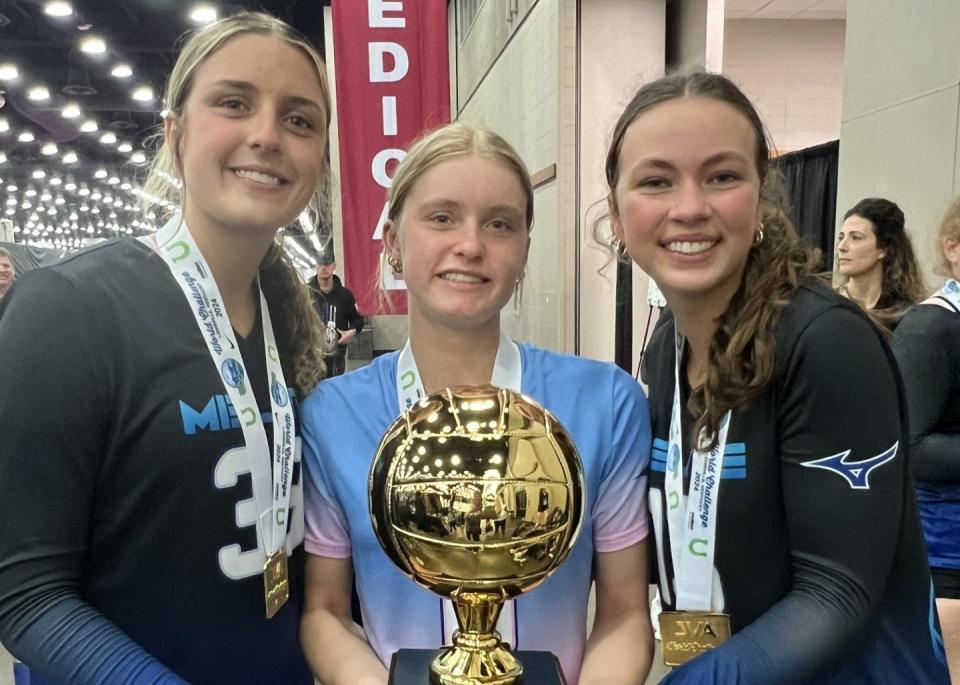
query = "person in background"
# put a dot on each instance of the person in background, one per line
(8, 271)
(927, 347)
(461, 210)
(876, 260)
(337, 308)
(779, 492)
(151, 521)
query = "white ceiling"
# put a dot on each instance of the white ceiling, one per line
(785, 9)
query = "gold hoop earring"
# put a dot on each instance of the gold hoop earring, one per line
(758, 236)
(518, 294)
(395, 264)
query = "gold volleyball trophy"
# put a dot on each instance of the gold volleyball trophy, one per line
(478, 495)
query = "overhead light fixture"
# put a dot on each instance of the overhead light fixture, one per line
(55, 181)
(122, 71)
(38, 93)
(142, 94)
(3, 159)
(4, 125)
(48, 149)
(71, 111)
(69, 158)
(89, 126)
(26, 137)
(138, 157)
(203, 14)
(108, 138)
(124, 147)
(58, 8)
(93, 45)
(38, 174)
(100, 173)
(8, 72)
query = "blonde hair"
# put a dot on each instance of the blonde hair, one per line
(949, 230)
(440, 145)
(292, 311)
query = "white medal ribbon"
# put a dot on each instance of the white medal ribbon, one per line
(507, 373)
(692, 519)
(271, 486)
(947, 297)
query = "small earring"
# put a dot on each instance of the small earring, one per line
(395, 264)
(619, 247)
(518, 294)
(758, 236)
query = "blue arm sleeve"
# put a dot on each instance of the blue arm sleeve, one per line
(53, 404)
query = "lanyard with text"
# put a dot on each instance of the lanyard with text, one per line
(947, 297)
(692, 521)
(507, 373)
(271, 475)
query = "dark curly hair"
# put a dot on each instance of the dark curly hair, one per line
(902, 280)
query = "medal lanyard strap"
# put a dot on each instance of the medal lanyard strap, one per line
(692, 519)
(271, 475)
(507, 372)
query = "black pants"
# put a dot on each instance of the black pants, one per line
(336, 363)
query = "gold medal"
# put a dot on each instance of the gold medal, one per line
(686, 634)
(276, 584)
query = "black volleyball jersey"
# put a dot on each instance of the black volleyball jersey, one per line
(819, 556)
(125, 489)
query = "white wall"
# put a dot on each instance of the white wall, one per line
(899, 135)
(793, 72)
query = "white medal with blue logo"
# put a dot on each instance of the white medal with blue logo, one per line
(271, 475)
(697, 624)
(947, 297)
(507, 373)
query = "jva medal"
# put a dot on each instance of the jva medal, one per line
(686, 634)
(276, 584)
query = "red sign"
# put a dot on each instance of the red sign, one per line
(393, 83)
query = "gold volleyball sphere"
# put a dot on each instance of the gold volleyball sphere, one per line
(477, 489)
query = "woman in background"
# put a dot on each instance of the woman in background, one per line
(140, 384)
(927, 346)
(787, 538)
(876, 259)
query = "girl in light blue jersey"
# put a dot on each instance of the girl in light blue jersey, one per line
(461, 208)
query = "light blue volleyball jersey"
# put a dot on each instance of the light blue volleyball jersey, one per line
(602, 408)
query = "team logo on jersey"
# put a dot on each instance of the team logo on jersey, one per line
(232, 373)
(856, 473)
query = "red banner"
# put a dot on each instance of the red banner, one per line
(393, 83)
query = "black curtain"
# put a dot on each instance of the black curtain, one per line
(26, 257)
(810, 177)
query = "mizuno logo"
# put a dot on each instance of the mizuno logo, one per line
(857, 473)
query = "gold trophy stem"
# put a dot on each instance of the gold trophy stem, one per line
(477, 656)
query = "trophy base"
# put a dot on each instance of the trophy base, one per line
(411, 666)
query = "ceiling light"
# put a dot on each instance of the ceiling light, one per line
(4, 125)
(203, 14)
(26, 137)
(93, 45)
(11, 189)
(69, 158)
(58, 8)
(124, 147)
(8, 72)
(71, 111)
(100, 173)
(48, 149)
(113, 180)
(39, 173)
(108, 138)
(38, 93)
(55, 181)
(138, 157)
(89, 126)
(46, 197)
(3, 158)
(122, 71)
(142, 94)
